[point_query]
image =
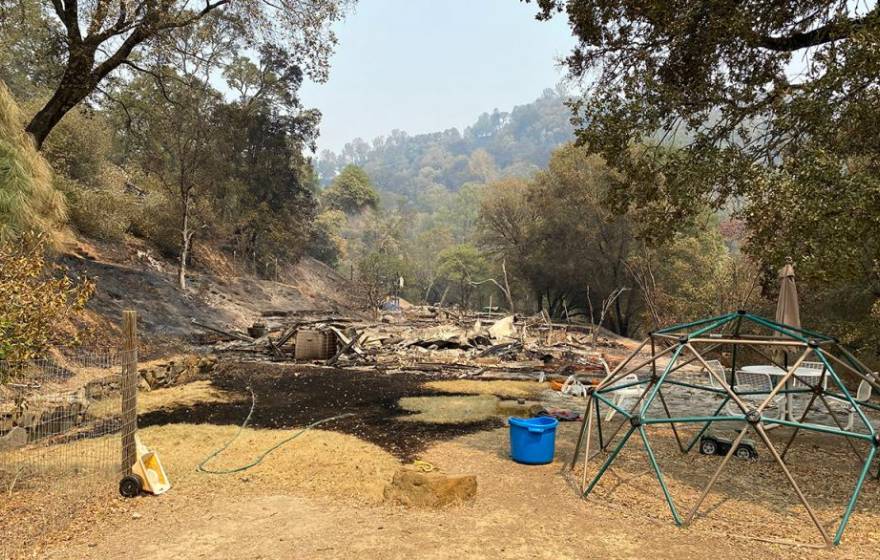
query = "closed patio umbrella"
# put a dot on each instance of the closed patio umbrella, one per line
(787, 311)
(787, 308)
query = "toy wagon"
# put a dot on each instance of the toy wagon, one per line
(714, 444)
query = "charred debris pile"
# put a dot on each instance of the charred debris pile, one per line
(425, 338)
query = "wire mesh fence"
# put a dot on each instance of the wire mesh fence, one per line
(60, 416)
(63, 419)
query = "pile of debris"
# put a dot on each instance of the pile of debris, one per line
(430, 340)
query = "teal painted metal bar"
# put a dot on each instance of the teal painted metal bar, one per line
(695, 419)
(777, 328)
(653, 394)
(736, 332)
(706, 425)
(840, 397)
(855, 495)
(653, 461)
(844, 390)
(680, 326)
(625, 413)
(622, 386)
(779, 392)
(706, 388)
(801, 330)
(818, 428)
(608, 461)
(715, 325)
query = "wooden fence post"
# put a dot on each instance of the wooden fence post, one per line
(128, 388)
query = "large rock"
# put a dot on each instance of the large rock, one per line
(177, 371)
(420, 489)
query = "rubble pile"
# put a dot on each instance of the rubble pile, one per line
(429, 339)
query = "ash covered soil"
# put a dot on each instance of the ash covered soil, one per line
(289, 396)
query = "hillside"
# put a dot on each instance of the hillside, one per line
(130, 276)
(496, 144)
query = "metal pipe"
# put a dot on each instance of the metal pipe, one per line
(608, 461)
(817, 428)
(656, 388)
(855, 495)
(760, 429)
(845, 392)
(716, 474)
(681, 326)
(653, 461)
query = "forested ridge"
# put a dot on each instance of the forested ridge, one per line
(498, 143)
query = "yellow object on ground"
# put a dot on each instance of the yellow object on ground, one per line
(423, 466)
(149, 468)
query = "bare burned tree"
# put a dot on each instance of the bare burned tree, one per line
(504, 288)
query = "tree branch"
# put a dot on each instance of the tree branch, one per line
(828, 33)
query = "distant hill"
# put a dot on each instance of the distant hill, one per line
(497, 144)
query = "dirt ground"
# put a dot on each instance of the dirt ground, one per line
(320, 496)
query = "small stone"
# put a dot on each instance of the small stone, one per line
(136, 515)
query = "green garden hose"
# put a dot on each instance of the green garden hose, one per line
(263, 455)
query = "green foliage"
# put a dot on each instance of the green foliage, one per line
(35, 305)
(351, 191)
(79, 148)
(79, 152)
(566, 250)
(31, 50)
(28, 200)
(461, 265)
(157, 221)
(105, 214)
(791, 147)
(377, 274)
(327, 244)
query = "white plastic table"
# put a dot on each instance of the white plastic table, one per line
(776, 371)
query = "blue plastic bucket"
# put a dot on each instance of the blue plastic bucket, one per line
(533, 440)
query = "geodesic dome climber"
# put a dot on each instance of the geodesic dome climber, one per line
(746, 406)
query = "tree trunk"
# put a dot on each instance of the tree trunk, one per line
(73, 88)
(184, 248)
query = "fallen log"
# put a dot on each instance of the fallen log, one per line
(232, 334)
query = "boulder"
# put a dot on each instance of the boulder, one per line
(410, 487)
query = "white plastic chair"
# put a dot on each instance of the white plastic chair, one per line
(573, 387)
(620, 395)
(863, 394)
(796, 383)
(719, 370)
(748, 381)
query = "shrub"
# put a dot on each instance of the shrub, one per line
(79, 146)
(157, 220)
(35, 302)
(104, 211)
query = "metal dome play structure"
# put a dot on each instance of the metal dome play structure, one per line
(736, 336)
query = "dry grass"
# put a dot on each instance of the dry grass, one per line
(520, 389)
(449, 410)
(190, 394)
(318, 462)
(750, 499)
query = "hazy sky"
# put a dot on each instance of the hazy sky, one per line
(426, 65)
